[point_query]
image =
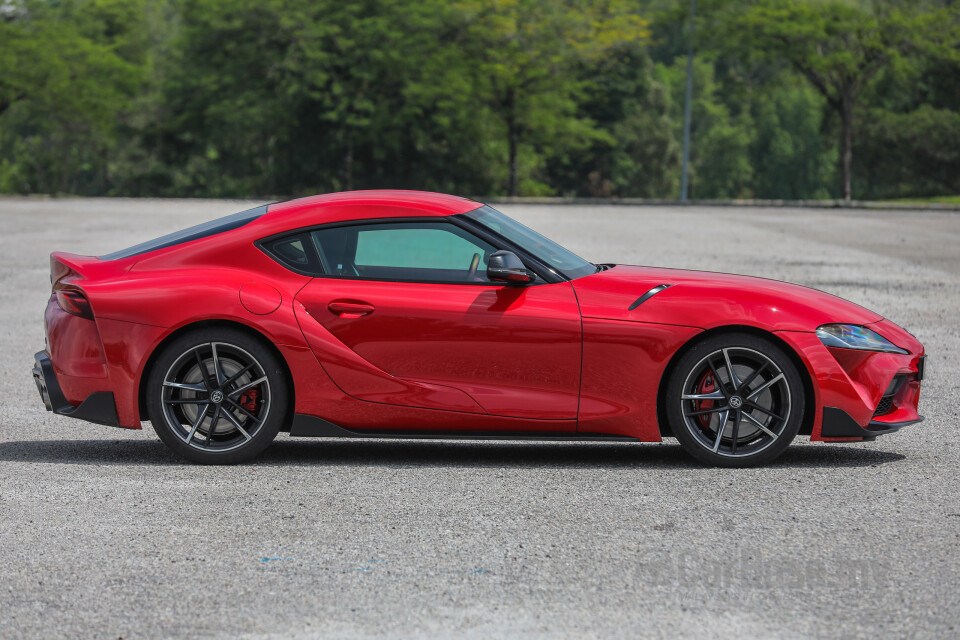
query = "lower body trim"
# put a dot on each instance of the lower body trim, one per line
(305, 426)
(837, 423)
(99, 407)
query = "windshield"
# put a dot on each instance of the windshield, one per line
(561, 260)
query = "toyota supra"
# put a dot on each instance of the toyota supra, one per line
(413, 314)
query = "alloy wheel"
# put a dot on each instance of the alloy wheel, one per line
(736, 402)
(215, 397)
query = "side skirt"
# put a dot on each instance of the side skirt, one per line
(305, 426)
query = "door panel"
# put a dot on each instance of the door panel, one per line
(514, 350)
(360, 379)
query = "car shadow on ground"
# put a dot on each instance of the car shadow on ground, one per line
(433, 453)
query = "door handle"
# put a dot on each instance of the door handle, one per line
(350, 309)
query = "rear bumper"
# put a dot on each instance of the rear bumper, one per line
(99, 407)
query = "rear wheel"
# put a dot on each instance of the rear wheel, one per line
(217, 396)
(735, 400)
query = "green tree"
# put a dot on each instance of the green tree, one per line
(912, 154)
(68, 73)
(911, 124)
(720, 138)
(646, 154)
(578, 97)
(521, 54)
(289, 96)
(232, 97)
(838, 47)
(637, 154)
(789, 156)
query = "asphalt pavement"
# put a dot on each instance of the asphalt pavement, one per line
(103, 533)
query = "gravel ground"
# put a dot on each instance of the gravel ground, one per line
(104, 534)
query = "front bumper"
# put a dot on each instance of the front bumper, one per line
(857, 393)
(99, 407)
(837, 423)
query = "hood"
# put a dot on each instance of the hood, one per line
(705, 299)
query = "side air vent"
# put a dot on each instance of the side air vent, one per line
(649, 294)
(886, 402)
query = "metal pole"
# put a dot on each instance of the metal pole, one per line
(684, 176)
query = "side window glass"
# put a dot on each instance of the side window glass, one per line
(416, 251)
(294, 252)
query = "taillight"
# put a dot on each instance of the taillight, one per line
(75, 303)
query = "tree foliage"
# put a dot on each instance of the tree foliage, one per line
(838, 47)
(792, 98)
(67, 72)
(520, 58)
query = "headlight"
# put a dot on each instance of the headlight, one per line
(851, 336)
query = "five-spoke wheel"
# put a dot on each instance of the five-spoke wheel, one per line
(735, 400)
(217, 396)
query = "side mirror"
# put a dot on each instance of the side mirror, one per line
(505, 266)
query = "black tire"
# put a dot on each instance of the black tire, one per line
(227, 412)
(744, 421)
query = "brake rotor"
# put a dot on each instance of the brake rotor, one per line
(230, 368)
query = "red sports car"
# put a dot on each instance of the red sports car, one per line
(410, 314)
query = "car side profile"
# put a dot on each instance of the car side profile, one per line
(413, 314)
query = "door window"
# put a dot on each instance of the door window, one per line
(413, 251)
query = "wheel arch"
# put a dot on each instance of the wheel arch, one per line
(809, 409)
(206, 324)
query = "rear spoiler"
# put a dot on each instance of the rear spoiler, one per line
(70, 267)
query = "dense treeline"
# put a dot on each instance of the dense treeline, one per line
(792, 99)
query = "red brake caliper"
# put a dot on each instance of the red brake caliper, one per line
(249, 400)
(706, 385)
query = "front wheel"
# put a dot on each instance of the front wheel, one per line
(217, 396)
(735, 400)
